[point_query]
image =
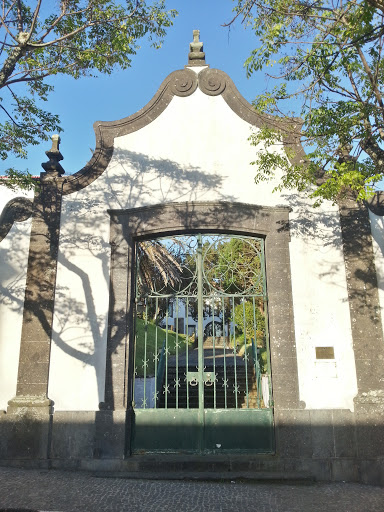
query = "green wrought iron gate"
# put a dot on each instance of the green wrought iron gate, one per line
(202, 369)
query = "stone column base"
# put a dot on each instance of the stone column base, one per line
(26, 427)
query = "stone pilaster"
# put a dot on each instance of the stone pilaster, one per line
(29, 435)
(363, 297)
(366, 328)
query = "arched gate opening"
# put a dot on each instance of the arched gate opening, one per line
(202, 375)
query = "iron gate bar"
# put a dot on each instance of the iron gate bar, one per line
(213, 353)
(200, 316)
(186, 353)
(155, 357)
(200, 334)
(225, 356)
(257, 372)
(245, 356)
(226, 295)
(145, 355)
(234, 351)
(262, 257)
(166, 360)
(177, 353)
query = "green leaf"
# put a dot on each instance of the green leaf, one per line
(327, 62)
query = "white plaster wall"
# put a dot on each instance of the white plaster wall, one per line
(196, 150)
(377, 229)
(321, 309)
(13, 270)
(78, 352)
(7, 194)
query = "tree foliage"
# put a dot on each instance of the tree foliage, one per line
(42, 38)
(233, 265)
(326, 57)
(250, 322)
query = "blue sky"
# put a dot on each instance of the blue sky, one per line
(79, 103)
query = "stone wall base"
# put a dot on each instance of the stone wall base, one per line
(25, 429)
(99, 441)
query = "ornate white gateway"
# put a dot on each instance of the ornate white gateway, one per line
(70, 305)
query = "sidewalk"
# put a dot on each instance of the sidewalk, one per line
(59, 491)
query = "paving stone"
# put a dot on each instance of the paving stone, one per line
(61, 491)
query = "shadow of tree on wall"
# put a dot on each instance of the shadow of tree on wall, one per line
(13, 260)
(139, 179)
(311, 223)
(348, 230)
(17, 210)
(143, 180)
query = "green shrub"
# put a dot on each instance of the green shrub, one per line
(151, 345)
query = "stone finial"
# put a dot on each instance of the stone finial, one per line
(53, 168)
(196, 56)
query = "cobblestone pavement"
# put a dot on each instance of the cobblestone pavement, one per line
(43, 490)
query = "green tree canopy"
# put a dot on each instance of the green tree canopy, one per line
(326, 57)
(42, 38)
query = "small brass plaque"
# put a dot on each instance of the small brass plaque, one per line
(325, 353)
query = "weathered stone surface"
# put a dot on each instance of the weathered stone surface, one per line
(293, 433)
(26, 429)
(73, 435)
(344, 433)
(16, 210)
(110, 434)
(323, 445)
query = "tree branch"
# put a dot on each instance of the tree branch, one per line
(9, 115)
(10, 64)
(377, 4)
(34, 20)
(5, 26)
(374, 151)
(31, 78)
(84, 27)
(20, 27)
(59, 18)
(372, 80)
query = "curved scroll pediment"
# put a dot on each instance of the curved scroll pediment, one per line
(182, 83)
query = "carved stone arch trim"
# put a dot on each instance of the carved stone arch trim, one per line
(179, 83)
(18, 209)
(212, 82)
(376, 203)
(128, 226)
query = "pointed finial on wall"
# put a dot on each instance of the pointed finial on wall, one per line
(53, 168)
(196, 56)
